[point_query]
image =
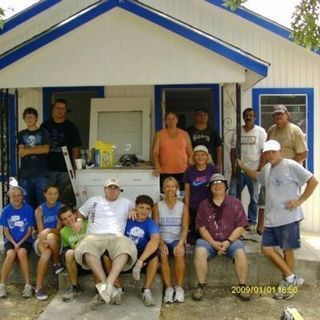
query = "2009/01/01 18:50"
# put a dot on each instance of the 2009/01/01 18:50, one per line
(263, 289)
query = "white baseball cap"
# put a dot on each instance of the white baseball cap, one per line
(112, 182)
(201, 148)
(271, 145)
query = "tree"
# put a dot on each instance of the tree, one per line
(305, 22)
(1, 17)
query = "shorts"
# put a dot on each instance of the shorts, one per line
(26, 245)
(171, 246)
(286, 237)
(237, 245)
(262, 198)
(36, 248)
(98, 244)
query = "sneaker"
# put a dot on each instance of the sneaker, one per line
(147, 298)
(96, 302)
(198, 293)
(3, 291)
(179, 294)
(41, 294)
(72, 292)
(244, 293)
(58, 268)
(168, 295)
(27, 291)
(109, 293)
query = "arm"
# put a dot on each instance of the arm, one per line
(155, 216)
(25, 237)
(41, 149)
(75, 154)
(155, 155)
(219, 158)
(186, 194)
(311, 185)
(233, 160)
(300, 157)
(77, 226)
(253, 174)
(151, 247)
(179, 250)
(8, 235)
(235, 235)
(189, 149)
(205, 235)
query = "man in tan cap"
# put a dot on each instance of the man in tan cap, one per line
(107, 217)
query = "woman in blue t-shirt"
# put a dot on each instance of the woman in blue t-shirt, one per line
(47, 244)
(17, 219)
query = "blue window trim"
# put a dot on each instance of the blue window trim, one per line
(27, 14)
(259, 20)
(214, 45)
(216, 101)
(309, 92)
(47, 92)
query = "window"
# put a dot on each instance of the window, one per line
(299, 103)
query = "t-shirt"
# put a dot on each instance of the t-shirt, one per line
(71, 239)
(220, 221)
(173, 155)
(61, 134)
(252, 142)
(170, 221)
(140, 232)
(283, 182)
(291, 139)
(50, 215)
(198, 181)
(207, 137)
(34, 165)
(106, 216)
(18, 221)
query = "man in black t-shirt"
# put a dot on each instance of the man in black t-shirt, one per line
(202, 134)
(62, 132)
(33, 149)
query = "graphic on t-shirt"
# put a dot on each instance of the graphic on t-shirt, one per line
(248, 140)
(92, 212)
(16, 222)
(172, 222)
(204, 137)
(31, 140)
(200, 181)
(135, 234)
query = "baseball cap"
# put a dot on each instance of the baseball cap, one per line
(203, 110)
(279, 108)
(271, 145)
(201, 148)
(218, 177)
(112, 182)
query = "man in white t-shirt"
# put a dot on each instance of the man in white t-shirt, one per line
(252, 139)
(107, 217)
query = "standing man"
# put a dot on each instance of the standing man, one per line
(202, 134)
(252, 139)
(33, 149)
(107, 217)
(283, 179)
(220, 221)
(62, 132)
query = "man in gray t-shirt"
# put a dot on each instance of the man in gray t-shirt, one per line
(283, 179)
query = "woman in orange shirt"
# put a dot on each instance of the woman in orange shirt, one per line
(171, 150)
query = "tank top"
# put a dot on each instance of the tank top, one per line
(50, 215)
(170, 221)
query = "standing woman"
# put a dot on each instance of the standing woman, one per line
(195, 181)
(171, 150)
(173, 218)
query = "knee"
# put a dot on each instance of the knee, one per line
(11, 255)
(70, 255)
(267, 251)
(22, 254)
(201, 254)
(52, 239)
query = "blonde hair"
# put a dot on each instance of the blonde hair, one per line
(173, 179)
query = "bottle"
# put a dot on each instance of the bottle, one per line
(97, 158)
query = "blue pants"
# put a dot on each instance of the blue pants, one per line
(34, 190)
(253, 188)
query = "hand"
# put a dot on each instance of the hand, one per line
(156, 171)
(224, 246)
(77, 226)
(292, 204)
(137, 269)
(133, 214)
(23, 152)
(240, 164)
(164, 249)
(179, 250)
(16, 247)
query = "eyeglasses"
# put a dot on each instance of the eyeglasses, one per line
(217, 181)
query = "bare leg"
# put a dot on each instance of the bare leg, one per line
(72, 267)
(289, 258)
(151, 272)
(54, 244)
(179, 268)
(260, 224)
(165, 270)
(24, 264)
(201, 264)
(7, 265)
(241, 266)
(94, 263)
(118, 264)
(42, 265)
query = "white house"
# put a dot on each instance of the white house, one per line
(177, 54)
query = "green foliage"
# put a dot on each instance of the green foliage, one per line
(233, 4)
(306, 25)
(1, 18)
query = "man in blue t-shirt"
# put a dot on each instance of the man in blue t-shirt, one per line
(145, 234)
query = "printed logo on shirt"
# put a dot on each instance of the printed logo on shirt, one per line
(172, 222)
(277, 182)
(196, 137)
(92, 212)
(135, 234)
(16, 222)
(200, 181)
(248, 140)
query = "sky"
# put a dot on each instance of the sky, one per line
(277, 10)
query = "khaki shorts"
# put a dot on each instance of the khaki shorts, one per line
(36, 245)
(98, 244)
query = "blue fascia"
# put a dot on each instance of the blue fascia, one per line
(309, 92)
(228, 52)
(27, 14)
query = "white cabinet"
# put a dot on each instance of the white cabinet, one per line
(133, 181)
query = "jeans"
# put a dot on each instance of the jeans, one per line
(34, 190)
(253, 188)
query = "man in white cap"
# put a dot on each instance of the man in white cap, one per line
(283, 179)
(107, 217)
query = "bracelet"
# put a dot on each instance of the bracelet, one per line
(229, 241)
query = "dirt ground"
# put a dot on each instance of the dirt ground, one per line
(219, 303)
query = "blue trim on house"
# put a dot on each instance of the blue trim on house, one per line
(309, 92)
(47, 92)
(216, 102)
(229, 52)
(27, 14)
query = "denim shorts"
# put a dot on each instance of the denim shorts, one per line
(213, 253)
(285, 237)
(171, 246)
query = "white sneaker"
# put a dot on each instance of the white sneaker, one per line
(168, 295)
(27, 291)
(147, 298)
(179, 295)
(109, 293)
(3, 291)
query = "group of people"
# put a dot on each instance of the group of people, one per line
(109, 234)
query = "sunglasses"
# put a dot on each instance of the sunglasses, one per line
(218, 182)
